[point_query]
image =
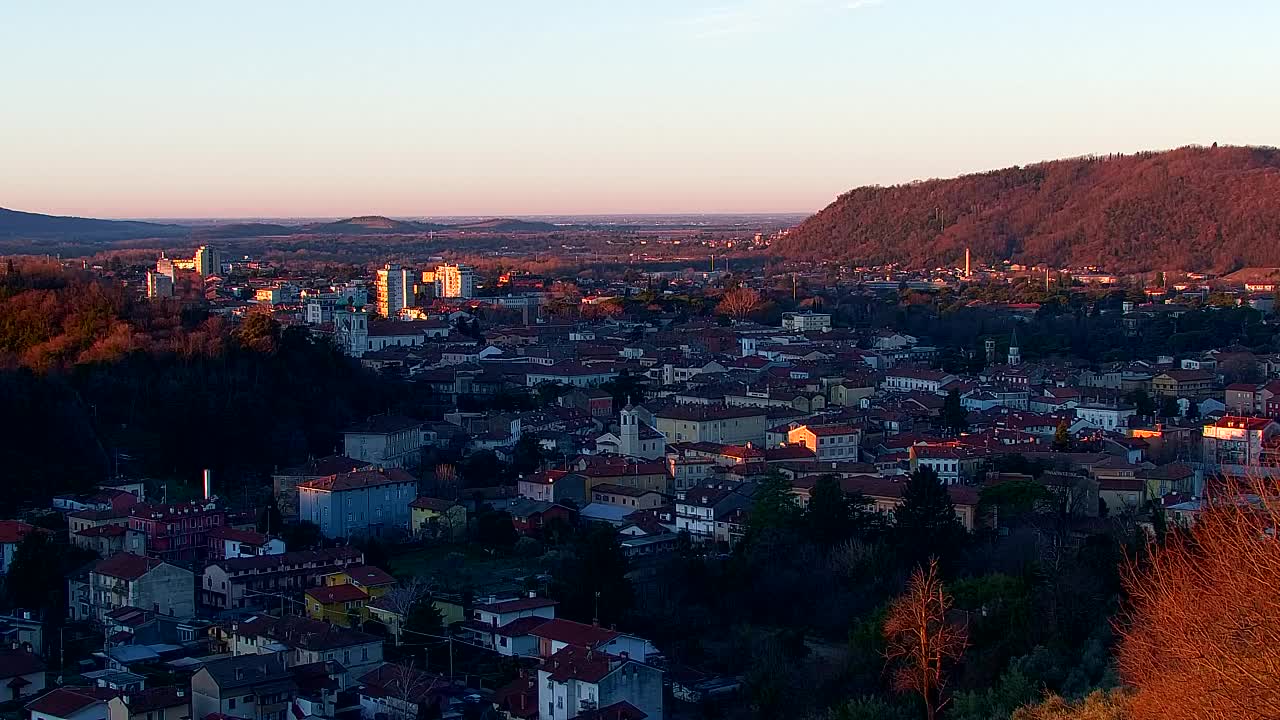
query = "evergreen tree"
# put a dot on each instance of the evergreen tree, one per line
(954, 417)
(828, 517)
(773, 506)
(926, 522)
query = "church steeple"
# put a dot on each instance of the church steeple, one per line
(1015, 353)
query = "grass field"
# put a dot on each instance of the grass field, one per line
(453, 568)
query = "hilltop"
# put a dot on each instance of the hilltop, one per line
(1193, 208)
(34, 225)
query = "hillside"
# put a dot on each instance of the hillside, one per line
(500, 225)
(373, 225)
(1191, 209)
(14, 223)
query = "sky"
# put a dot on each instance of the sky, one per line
(517, 107)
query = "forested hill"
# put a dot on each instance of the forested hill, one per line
(1193, 208)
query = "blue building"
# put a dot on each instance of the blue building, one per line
(373, 501)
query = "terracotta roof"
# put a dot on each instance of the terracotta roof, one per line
(1243, 423)
(574, 633)
(621, 710)
(158, 698)
(19, 662)
(521, 626)
(66, 701)
(430, 503)
(368, 575)
(103, 531)
(575, 662)
(13, 531)
(246, 537)
(331, 465)
(268, 563)
(125, 566)
(359, 480)
(337, 594)
(384, 425)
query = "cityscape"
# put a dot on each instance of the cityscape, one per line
(717, 386)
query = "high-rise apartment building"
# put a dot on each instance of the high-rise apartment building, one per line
(159, 285)
(395, 290)
(164, 266)
(455, 281)
(208, 261)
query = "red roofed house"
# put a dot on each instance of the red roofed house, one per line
(177, 532)
(21, 674)
(127, 580)
(11, 533)
(829, 442)
(374, 501)
(158, 703)
(1241, 442)
(339, 604)
(555, 635)
(71, 703)
(229, 542)
(505, 626)
(580, 683)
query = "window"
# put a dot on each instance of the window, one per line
(364, 653)
(231, 704)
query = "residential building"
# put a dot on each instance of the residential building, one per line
(228, 542)
(1105, 417)
(698, 508)
(829, 442)
(1241, 443)
(127, 580)
(159, 285)
(505, 626)
(304, 641)
(557, 634)
(208, 261)
(71, 703)
(251, 687)
(12, 533)
(175, 532)
(251, 582)
(806, 321)
(1191, 384)
(386, 440)
(455, 281)
(338, 604)
(394, 288)
(365, 502)
(712, 423)
(627, 497)
(22, 674)
(435, 518)
(907, 379)
(159, 703)
(578, 682)
(286, 481)
(954, 464)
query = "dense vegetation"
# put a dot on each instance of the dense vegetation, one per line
(94, 381)
(1192, 209)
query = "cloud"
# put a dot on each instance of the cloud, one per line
(751, 16)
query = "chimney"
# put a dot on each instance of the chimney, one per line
(125, 699)
(208, 484)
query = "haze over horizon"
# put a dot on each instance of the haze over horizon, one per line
(572, 107)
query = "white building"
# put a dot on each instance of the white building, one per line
(394, 289)
(912, 379)
(351, 330)
(365, 502)
(806, 321)
(455, 281)
(386, 440)
(1105, 417)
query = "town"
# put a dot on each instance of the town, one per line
(536, 528)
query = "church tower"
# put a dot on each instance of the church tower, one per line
(629, 432)
(1015, 353)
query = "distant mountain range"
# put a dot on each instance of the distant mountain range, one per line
(24, 225)
(1194, 208)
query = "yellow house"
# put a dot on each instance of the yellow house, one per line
(375, 582)
(433, 517)
(339, 604)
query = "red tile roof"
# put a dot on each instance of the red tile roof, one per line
(66, 701)
(19, 662)
(368, 576)
(578, 663)
(125, 566)
(337, 594)
(359, 480)
(574, 633)
(13, 531)
(522, 626)
(246, 537)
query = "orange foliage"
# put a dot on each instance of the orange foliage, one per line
(922, 640)
(1202, 639)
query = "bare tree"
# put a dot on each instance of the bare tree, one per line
(447, 481)
(921, 640)
(739, 303)
(401, 599)
(1202, 637)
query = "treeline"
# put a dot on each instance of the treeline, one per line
(94, 382)
(1192, 208)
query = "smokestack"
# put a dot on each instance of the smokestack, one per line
(208, 484)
